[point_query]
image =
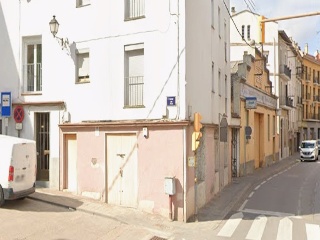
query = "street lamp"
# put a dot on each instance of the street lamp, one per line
(54, 27)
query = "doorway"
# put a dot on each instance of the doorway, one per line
(42, 132)
(121, 169)
(70, 163)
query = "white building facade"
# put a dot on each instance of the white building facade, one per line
(110, 98)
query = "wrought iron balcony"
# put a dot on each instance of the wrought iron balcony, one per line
(286, 101)
(284, 69)
(32, 77)
(133, 95)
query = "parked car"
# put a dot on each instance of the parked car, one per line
(18, 166)
(309, 150)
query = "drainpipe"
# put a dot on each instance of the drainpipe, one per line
(184, 174)
(178, 62)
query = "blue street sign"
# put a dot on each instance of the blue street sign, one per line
(171, 101)
(6, 104)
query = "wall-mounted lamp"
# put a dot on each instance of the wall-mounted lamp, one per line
(54, 27)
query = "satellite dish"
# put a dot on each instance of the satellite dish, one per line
(252, 42)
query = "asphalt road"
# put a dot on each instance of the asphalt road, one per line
(285, 206)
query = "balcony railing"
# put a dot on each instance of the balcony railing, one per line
(32, 77)
(316, 80)
(308, 77)
(299, 100)
(134, 9)
(287, 101)
(284, 69)
(313, 116)
(308, 96)
(133, 96)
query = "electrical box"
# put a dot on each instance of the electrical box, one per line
(170, 185)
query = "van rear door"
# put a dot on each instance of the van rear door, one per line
(22, 170)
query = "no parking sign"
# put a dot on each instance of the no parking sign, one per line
(18, 114)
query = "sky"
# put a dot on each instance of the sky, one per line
(305, 30)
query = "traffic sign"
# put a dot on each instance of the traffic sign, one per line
(18, 114)
(6, 104)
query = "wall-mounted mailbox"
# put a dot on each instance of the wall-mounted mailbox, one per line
(170, 185)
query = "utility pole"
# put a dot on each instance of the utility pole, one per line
(290, 17)
(262, 20)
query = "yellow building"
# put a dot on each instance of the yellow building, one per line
(253, 101)
(310, 96)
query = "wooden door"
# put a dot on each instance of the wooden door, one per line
(121, 169)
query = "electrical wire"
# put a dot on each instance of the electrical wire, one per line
(236, 25)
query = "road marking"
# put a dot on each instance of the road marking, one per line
(257, 228)
(271, 213)
(242, 206)
(313, 231)
(251, 194)
(285, 229)
(230, 226)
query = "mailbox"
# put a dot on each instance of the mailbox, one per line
(170, 185)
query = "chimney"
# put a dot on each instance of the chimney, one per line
(317, 55)
(306, 48)
(233, 10)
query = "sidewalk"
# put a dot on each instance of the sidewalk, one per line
(209, 217)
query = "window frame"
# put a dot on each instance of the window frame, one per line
(212, 13)
(79, 3)
(129, 15)
(37, 69)
(212, 78)
(79, 79)
(137, 83)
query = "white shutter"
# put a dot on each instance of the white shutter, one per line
(136, 63)
(83, 64)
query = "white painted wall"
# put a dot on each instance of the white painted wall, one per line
(238, 46)
(205, 46)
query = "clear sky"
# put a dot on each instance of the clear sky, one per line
(302, 30)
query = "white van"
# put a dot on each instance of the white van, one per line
(18, 166)
(309, 150)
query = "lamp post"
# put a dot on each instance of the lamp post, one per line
(54, 27)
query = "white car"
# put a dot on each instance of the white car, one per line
(309, 150)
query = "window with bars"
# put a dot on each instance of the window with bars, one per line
(248, 32)
(134, 75)
(219, 83)
(32, 66)
(242, 31)
(212, 13)
(134, 9)
(212, 78)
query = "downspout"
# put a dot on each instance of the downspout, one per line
(19, 53)
(178, 62)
